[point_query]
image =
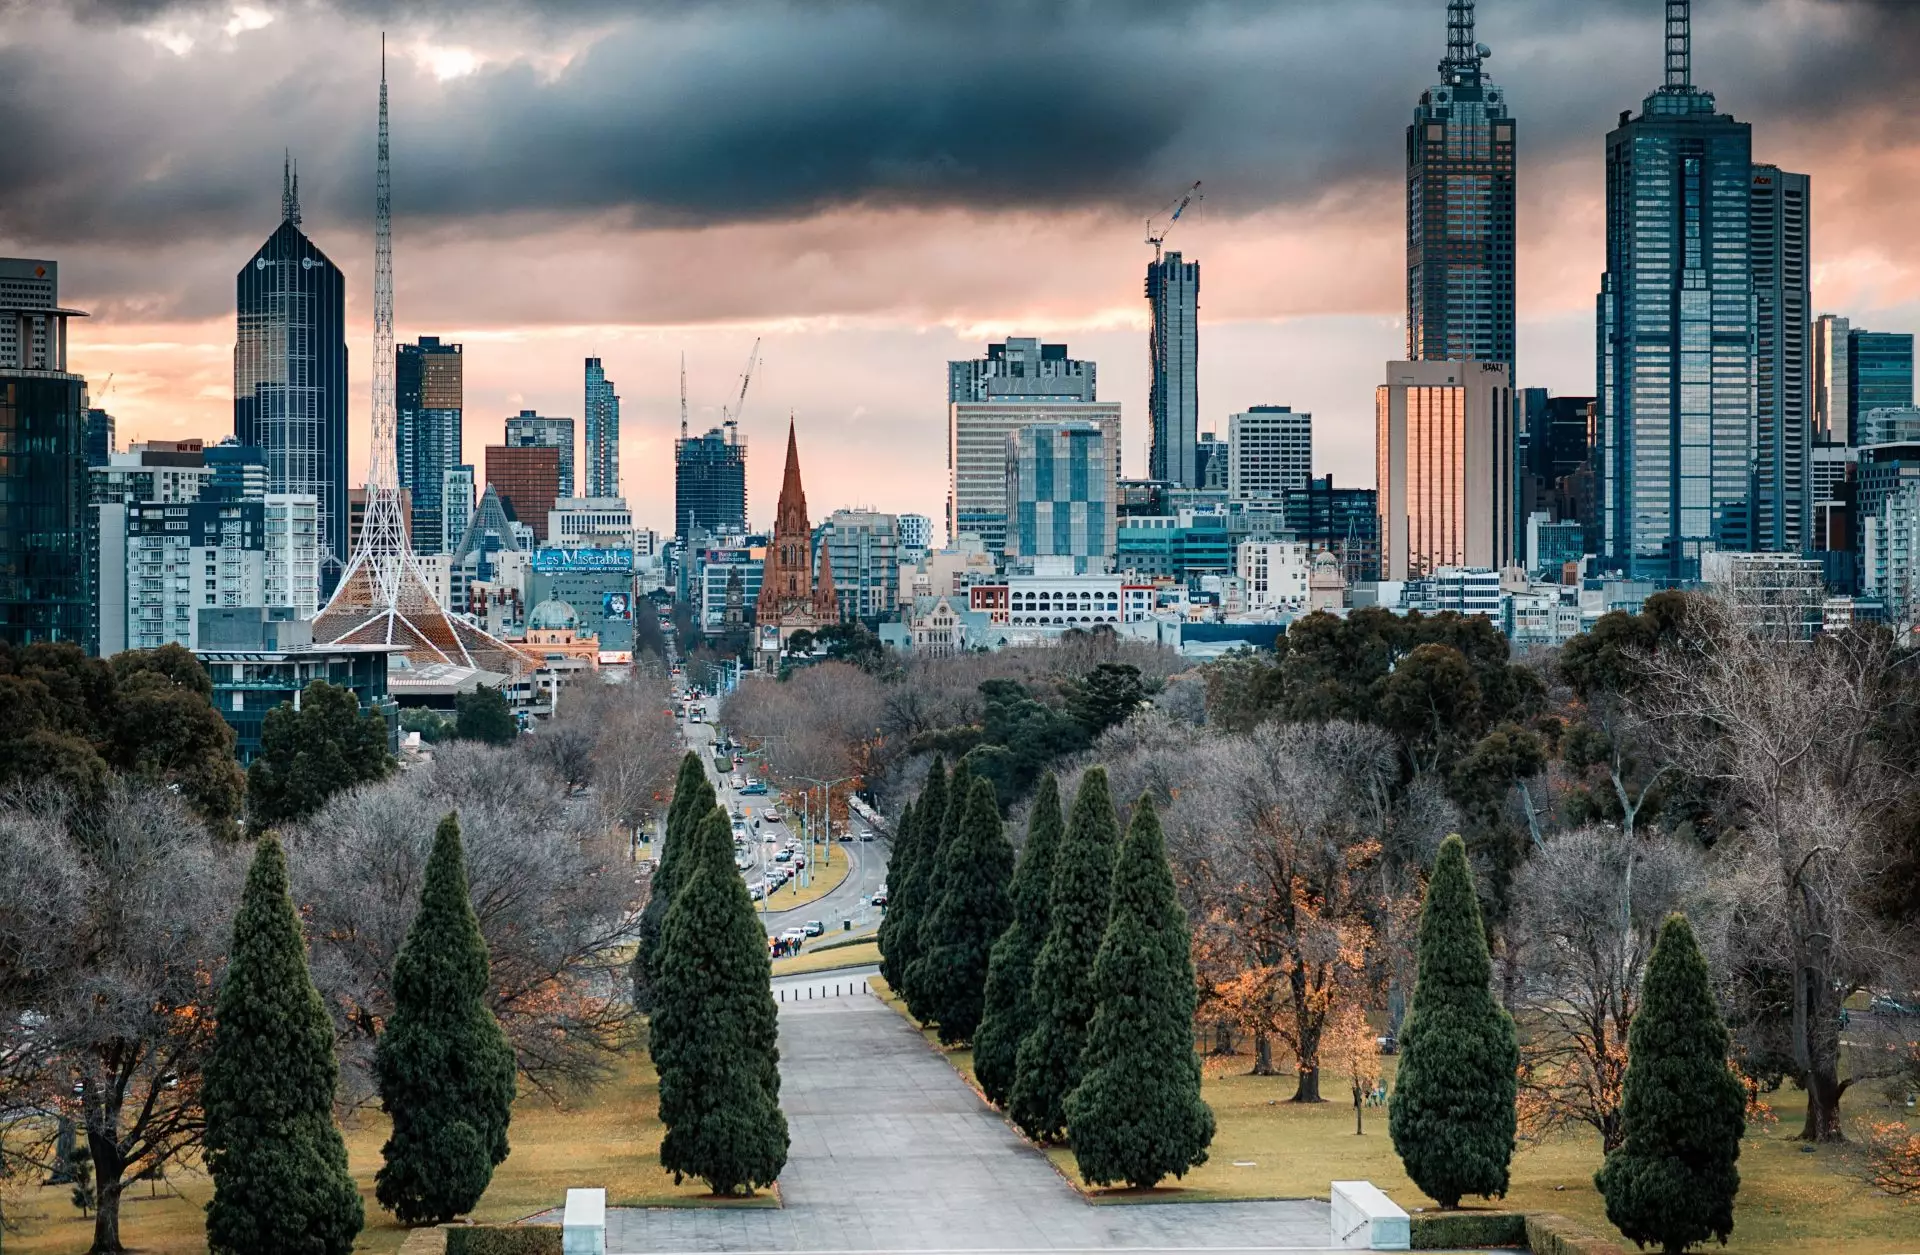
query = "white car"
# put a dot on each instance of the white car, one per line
(795, 935)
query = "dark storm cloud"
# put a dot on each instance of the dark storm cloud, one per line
(674, 112)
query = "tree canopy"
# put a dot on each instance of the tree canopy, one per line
(308, 754)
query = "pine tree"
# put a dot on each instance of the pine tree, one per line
(715, 1028)
(974, 908)
(693, 797)
(1452, 1114)
(929, 885)
(1137, 1115)
(446, 1070)
(900, 855)
(1008, 1015)
(279, 1167)
(905, 905)
(1671, 1184)
(1047, 1067)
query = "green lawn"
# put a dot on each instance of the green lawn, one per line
(827, 875)
(858, 955)
(609, 1138)
(1791, 1201)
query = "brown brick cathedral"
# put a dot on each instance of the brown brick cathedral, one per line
(793, 595)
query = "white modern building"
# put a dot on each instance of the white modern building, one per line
(863, 547)
(1269, 453)
(456, 505)
(1276, 574)
(292, 572)
(580, 521)
(916, 537)
(182, 557)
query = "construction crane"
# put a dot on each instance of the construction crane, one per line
(683, 396)
(1157, 238)
(746, 377)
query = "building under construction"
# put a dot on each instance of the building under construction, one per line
(710, 482)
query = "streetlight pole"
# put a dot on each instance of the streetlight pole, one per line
(827, 807)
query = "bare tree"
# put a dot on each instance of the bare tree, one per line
(552, 901)
(1588, 908)
(113, 923)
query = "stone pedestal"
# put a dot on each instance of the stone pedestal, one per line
(1365, 1219)
(584, 1229)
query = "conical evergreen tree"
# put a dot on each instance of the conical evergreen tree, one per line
(974, 908)
(1671, 1184)
(929, 885)
(446, 1070)
(1137, 1115)
(1047, 1067)
(901, 852)
(1009, 1006)
(279, 1168)
(907, 904)
(715, 1029)
(693, 797)
(1452, 1115)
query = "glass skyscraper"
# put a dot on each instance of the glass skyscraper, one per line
(1173, 396)
(710, 483)
(1879, 370)
(1783, 358)
(1460, 217)
(290, 372)
(1060, 493)
(429, 400)
(1675, 330)
(603, 433)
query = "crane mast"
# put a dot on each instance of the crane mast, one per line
(1157, 238)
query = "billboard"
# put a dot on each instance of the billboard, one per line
(552, 559)
(616, 606)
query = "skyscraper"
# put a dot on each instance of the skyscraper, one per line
(710, 483)
(1443, 449)
(602, 433)
(1022, 369)
(977, 432)
(1060, 494)
(1675, 329)
(290, 370)
(1173, 350)
(1855, 371)
(429, 395)
(528, 430)
(45, 580)
(527, 481)
(1460, 215)
(1269, 452)
(1832, 415)
(1783, 357)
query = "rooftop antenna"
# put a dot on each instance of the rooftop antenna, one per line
(289, 188)
(1679, 45)
(1463, 55)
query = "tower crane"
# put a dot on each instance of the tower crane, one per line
(1157, 238)
(746, 377)
(683, 396)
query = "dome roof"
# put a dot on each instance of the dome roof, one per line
(552, 615)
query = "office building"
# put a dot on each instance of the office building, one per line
(1832, 409)
(528, 430)
(715, 570)
(1173, 391)
(1779, 244)
(46, 591)
(1551, 544)
(1444, 465)
(576, 522)
(456, 505)
(710, 483)
(1343, 521)
(977, 433)
(1022, 369)
(1269, 453)
(862, 548)
(1275, 574)
(290, 371)
(260, 658)
(100, 440)
(429, 402)
(916, 537)
(1676, 330)
(1060, 494)
(1176, 548)
(602, 434)
(357, 503)
(1855, 371)
(1460, 210)
(235, 472)
(527, 480)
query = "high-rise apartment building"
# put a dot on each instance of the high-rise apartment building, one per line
(1444, 465)
(456, 505)
(1269, 452)
(916, 536)
(182, 557)
(290, 371)
(527, 480)
(46, 591)
(1676, 334)
(1022, 369)
(529, 430)
(235, 472)
(292, 574)
(429, 402)
(1460, 210)
(710, 483)
(1060, 490)
(602, 433)
(977, 433)
(1173, 352)
(1780, 242)
(863, 552)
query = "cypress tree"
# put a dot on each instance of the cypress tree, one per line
(929, 886)
(715, 1028)
(1672, 1181)
(1009, 1007)
(900, 855)
(445, 1068)
(905, 906)
(279, 1167)
(693, 797)
(974, 908)
(1047, 1066)
(1137, 1115)
(1452, 1115)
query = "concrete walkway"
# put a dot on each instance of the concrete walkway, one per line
(892, 1152)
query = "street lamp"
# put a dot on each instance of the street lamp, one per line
(827, 826)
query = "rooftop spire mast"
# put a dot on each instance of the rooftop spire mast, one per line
(1679, 45)
(1461, 54)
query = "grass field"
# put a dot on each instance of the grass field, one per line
(858, 955)
(827, 874)
(608, 1138)
(1791, 1201)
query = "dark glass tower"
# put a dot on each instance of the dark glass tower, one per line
(1173, 396)
(46, 579)
(290, 372)
(429, 401)
(710, 483)
(1783, 358)
(1460, 191)
(1675, 330)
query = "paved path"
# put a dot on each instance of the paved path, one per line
(892, 1152)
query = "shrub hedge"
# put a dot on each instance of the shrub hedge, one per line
(1452, 1230)
(1548, 1234)
(503, 1240)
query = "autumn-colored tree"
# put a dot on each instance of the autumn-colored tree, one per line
(1350, 1049)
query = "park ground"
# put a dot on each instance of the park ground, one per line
(828, 874)
(1791, 1201)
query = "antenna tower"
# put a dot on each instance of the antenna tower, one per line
(1679, 45)
(1463, 57)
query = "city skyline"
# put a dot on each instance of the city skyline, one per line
(1303, 295)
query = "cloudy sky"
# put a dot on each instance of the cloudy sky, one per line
(872, 188)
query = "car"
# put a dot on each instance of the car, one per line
(799, 860)
(880, 898)
(794, 935)
(866, 836)
(755, 788)
(814, 928)
(772, 816)
(1886, 1004)
(783, 856)
(742, 862)
(738, 781)
(756, 892)
(739, 760)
